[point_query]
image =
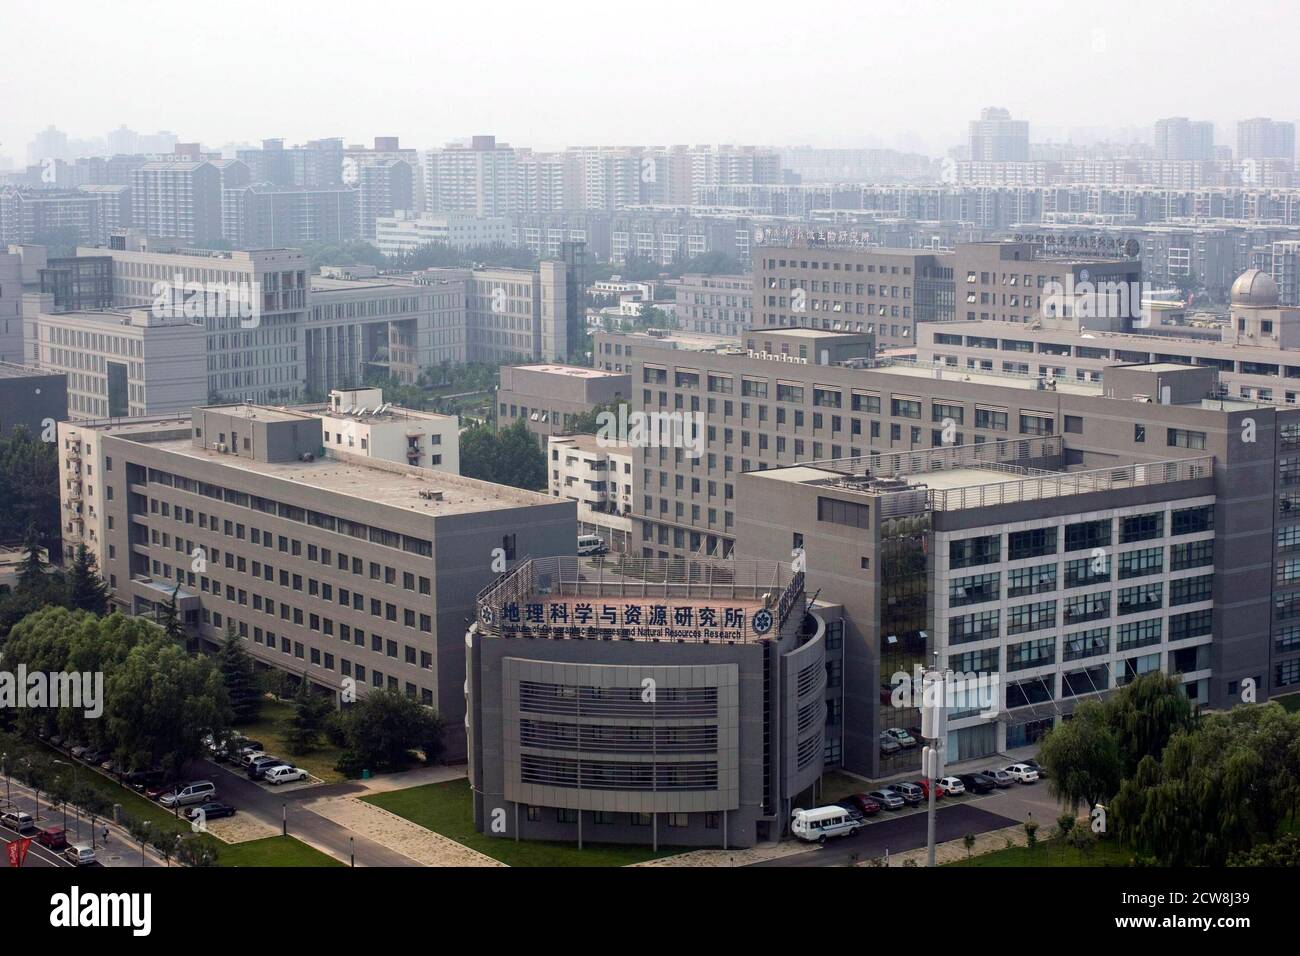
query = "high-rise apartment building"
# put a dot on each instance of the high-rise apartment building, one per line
(261, 215)
(996, 138)
(1263, 138)
(178, 199)
(477, 178)
(1180, 138)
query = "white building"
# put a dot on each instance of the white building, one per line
(407, 231)
(360, 422)
(599, 479)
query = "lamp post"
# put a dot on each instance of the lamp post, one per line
(933, 726)
(75, 778)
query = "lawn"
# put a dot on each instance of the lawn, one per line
(1052, 853)
(272, 729)
(446, 808)
(273, 851)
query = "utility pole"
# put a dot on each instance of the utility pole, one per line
(933, 728)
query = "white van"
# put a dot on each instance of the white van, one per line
(591, 544)
(200, 791)
(819, 823)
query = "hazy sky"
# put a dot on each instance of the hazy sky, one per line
(551, 74)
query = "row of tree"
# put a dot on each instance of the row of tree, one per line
(509, 457)
(1182, 789)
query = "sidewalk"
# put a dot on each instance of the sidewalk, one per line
(120, 850)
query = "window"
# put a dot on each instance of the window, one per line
(1194, 624)
(1138, 564)
(979, 626)
(1034, 543)
(1191, 520)
(1033, 580)
(843, 512)
(1036, 424)
(1138, 634)
(1031, 617)
(972, 552)
(1141, 597)
(905, 408)
(1141, 527)
(1087, 607)
(1087, 535)
(1184, 438)
(989, 418)
(1191, 590)
(1086, 644)
(1084, 571)
(975, 589)
(1031, 654)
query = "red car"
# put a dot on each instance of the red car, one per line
(154, 791)
(864, 803)
(52, 837)
(925, 790)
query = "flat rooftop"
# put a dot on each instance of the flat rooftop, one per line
(10, 370)
(590, 443)
(259, 413)
(572, 371)
(802, 332)
(367, 480)
(1006, 380)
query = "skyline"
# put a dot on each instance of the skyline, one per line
(594, 82)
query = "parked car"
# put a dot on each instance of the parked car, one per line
(952, 786)
(924, 786)
(279, 775)
(80, 854)
(199, 791)
(78, 750)
(1000, 777)
(143, 779)
(94, 756)
(868, 806)
(887, 799)
(888, 745)
(246, 757)
(108, 766)
(1022, 773)
(19, 821)
(53, 837)
(816, 825)
(851, 808)
(910, 792)
(1036, 766)
(902, 736)
(258, 768)
(977, 782)
(212, 810)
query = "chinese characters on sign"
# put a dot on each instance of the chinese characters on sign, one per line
(688, 622)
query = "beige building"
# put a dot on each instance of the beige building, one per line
(598, 476)
(549, 397)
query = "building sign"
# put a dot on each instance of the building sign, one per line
(705, 622)
(1056, 243)
(812, 238)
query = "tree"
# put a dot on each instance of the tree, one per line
(968, 841)
(34, 568)
(382, 728)
(29, 488)
(523, 463)
(86, 589)
(1284, 852)
(1083, 757)
(169, 619)
(309, 712)
(1145, 714)
(239, 678)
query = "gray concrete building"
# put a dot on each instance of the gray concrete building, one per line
(548, 397)
(608, 709)
(715, 304)
(352, 572)
(31, 398)
(852, 288)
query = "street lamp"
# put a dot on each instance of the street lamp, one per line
(4, 760)
(75, 779)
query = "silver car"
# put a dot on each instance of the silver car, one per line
(887, 799)
(1000, 777)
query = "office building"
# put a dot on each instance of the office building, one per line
(598, 476)
(11, 307)
(549, 397)
(359, 422)
(352, 573)
(853, 289)
(611, 710)
(32, 398)
(407, 231)
(715, 304)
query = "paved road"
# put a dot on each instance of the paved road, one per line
(269, 807)
(904, 830)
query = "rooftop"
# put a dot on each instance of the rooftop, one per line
(11, 370)
(370, 480)
(573, 371)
